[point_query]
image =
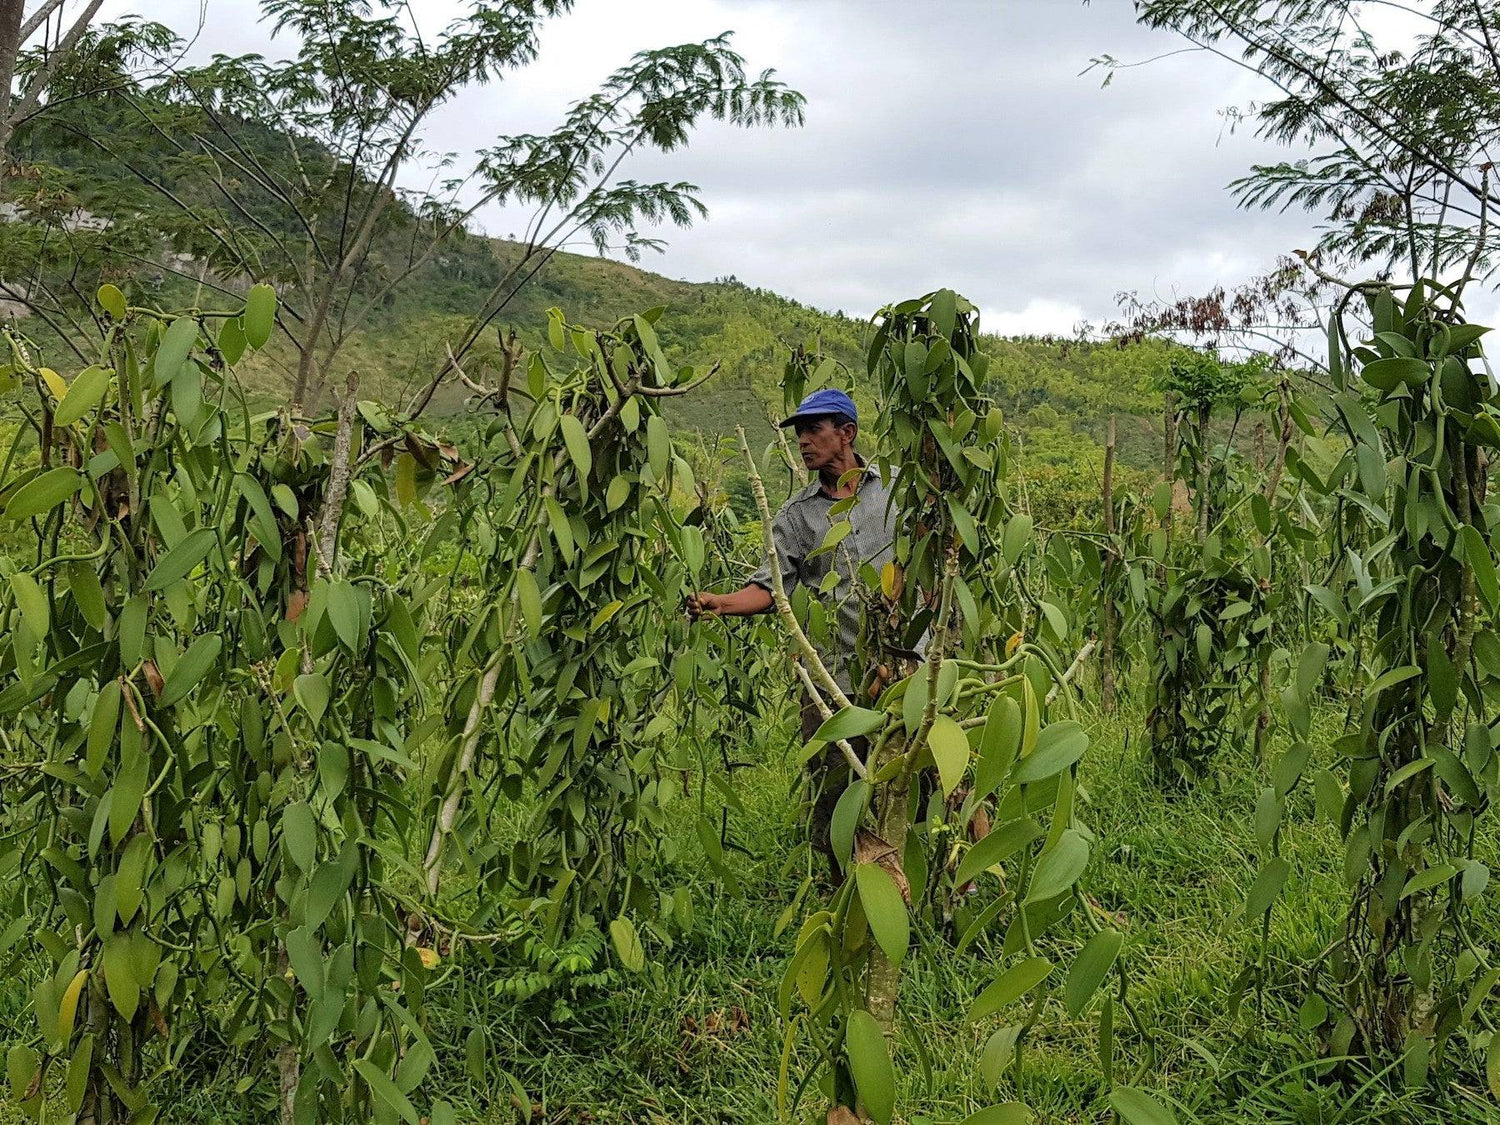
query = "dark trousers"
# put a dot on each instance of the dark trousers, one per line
(829, 772)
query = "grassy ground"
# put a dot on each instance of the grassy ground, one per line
(698, 1039)
(1174, 868)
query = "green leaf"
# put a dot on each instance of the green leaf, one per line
(102, 726)
(998, 745)
(383, 1088)
(262, 519)
(259, 315)
(88, 594)
(627, 944)
(1055, 620)
(130, 876)
(658, 445)
(562, 530)
(299, 835)
(943, 312)
(1482, 563)
(1016, 539)
(232, 340)
(577, 440)
(1407, 772)
(1059, 869)
(1002, 843)
(1058, 746)
(1007, 1113)
(849, 722)
(84, 393)
(530, 599)
(617, 493)
(1388, 374)
(1391, 678)
(190, 668)
(1090, 968)
(311, 690)
(1267, 886)
(870, 1065)
(181, 559)
(176, 345)
(1268, 811)
(964, 523)
(1139, 1108)
(845, 819)
(950, 750)
(1328, 793)
(1013, 984)
(343, 613)
(130, 783)
(132, 629)
(32, 601)
(112, 301)
(119, 975)
(885, 909)
(43, 493)
(1426, 880)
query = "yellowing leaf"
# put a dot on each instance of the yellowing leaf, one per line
(605, 614)
(69, 1007)
(55, 383)
(429, 957)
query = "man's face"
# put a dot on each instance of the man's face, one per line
(821, 443)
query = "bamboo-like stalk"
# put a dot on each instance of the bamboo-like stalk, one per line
(1109, 625)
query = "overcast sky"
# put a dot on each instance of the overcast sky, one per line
(948, 142)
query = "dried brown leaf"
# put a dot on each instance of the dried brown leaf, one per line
(870, 848)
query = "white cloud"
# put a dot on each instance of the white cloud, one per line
(948, 142)
(1039, 317)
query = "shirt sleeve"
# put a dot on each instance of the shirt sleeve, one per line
(789, 552)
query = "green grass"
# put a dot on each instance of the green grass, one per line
(1173, 868)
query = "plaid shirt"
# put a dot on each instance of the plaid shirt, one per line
(799, 529)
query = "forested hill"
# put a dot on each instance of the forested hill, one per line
(1057, 394)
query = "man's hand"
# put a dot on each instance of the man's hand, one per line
(750, 600)
(703, 602)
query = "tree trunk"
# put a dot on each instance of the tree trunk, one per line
(1107, 655)
(12, 13)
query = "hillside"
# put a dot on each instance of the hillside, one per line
(1057, 394)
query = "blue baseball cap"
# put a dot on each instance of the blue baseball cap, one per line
(826, 401)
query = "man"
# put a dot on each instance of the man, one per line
(826, 424)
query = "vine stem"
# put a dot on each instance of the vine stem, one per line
(1073, 669)
(827, 712)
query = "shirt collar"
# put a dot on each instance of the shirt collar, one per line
(815, 488)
